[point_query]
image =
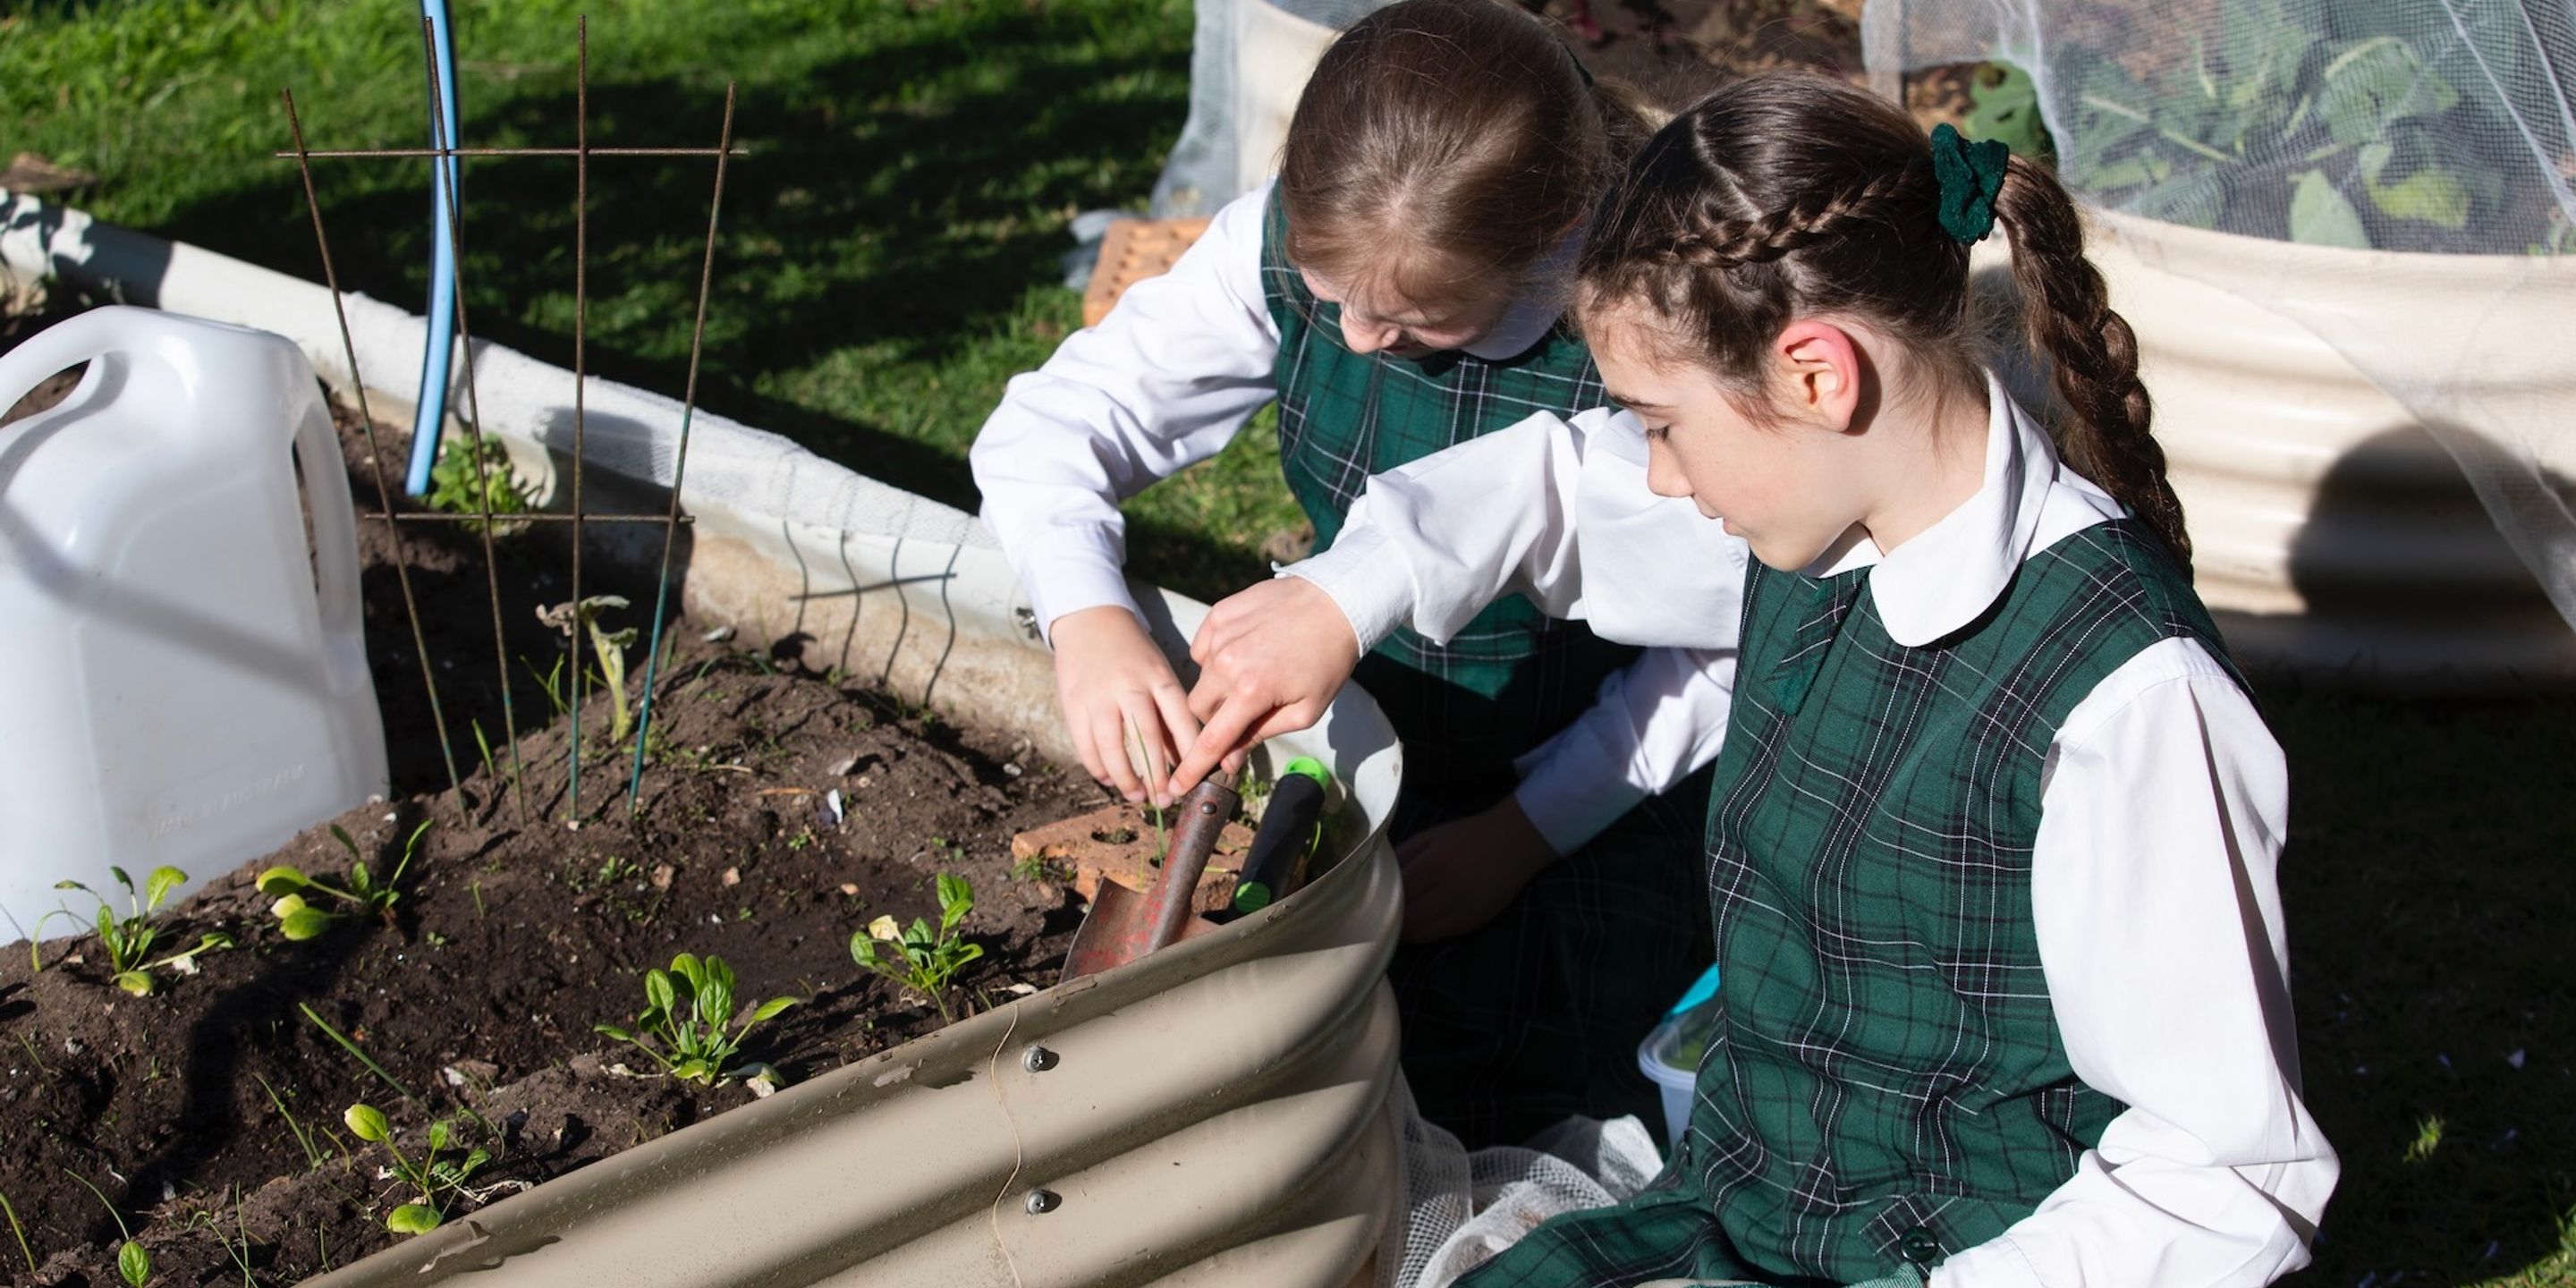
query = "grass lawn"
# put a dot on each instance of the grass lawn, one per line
(890, 258)
(891, 244)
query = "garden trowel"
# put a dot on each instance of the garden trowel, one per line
(1123, 925)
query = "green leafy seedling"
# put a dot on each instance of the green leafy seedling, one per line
(919, 957)
(133, 1264)
(301, 918)
(129, 939)
(432, 1176)
(701, 1043)
(472, 466)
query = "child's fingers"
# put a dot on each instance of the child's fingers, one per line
(1181, 724)
(1150, 747)
(1077, 726)
(1108, 736)
(1221, 737)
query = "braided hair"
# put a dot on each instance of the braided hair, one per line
(1794, 195)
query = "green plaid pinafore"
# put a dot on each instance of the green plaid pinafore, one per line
(1537, 1015)
(1887, 1083)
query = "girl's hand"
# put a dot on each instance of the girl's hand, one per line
(1270, 660)
(1121, 700)
(1458, 875)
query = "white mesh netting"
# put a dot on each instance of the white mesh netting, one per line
(1461, 1208)
(2427, 146)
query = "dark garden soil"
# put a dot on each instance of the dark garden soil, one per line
(209, 1114)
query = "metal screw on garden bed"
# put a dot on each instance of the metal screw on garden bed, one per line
(1037, 1059)
(1041, 1202)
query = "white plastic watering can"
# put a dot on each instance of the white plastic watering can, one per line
(183, 680)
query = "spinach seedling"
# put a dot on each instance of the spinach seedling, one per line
(133, 1264)
(129, 939)
(919, 957)
(700, 1046)
(432, 1175)
(301, 919)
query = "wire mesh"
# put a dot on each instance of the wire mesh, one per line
(482, 518)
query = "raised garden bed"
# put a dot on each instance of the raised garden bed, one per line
(210, 1113)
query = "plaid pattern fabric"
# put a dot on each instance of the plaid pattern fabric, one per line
(1536, 1015)
(1887, 1083)
(1513, 676)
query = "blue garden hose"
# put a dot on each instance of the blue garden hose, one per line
(429, 410)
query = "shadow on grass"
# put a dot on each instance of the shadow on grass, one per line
(895, 207)
(2429, 899)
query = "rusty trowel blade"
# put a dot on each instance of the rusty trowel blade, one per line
(1123, 926)
(1102, 939)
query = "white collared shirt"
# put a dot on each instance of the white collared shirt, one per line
(1164, 382)
(2163, 804)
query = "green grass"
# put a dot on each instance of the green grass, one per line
(890, 259)
(890, 244)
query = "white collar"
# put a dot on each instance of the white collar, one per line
(1952, 572)
(1530, 316)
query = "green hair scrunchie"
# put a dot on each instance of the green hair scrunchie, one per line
(1971, 174)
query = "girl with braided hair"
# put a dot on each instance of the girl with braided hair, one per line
(1993, 835)
(1397, 291)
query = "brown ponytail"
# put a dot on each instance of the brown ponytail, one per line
(2066, 312)
(1447, 147)
(1793, 195)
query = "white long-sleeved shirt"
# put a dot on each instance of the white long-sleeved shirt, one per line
(2163, 804)
(1165, 381)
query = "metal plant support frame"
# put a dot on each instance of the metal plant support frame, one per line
(444, 148)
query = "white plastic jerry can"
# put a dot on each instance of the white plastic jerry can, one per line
(182, 679)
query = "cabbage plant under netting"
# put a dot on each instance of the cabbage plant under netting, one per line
(2427, 148)
(2410, 125)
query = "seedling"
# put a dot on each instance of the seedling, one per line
(473, 466)
(20, 1231)
(432, 1176)
(129, 940)
(701, 1046)
(608, 645)
(303, 1138)
(919, 957)
(1038, 867)
(133, 1264)
(301, 919)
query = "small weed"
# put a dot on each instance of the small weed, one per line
(129, 940)
(20, 1231)
(303, 1138)
(300, 919)
(1038, 867)
(473, 475)
(432, 1176)
(133, 1264)
(919, 957)
(701, 1045)
(552, 681)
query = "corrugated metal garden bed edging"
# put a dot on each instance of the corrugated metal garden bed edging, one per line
(1215, 1110)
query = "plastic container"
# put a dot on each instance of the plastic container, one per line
(1669, 1056)
(182, 678)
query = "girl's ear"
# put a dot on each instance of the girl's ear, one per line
(1817, 371)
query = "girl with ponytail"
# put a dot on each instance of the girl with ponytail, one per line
(1992, 844)
(1399, 290)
